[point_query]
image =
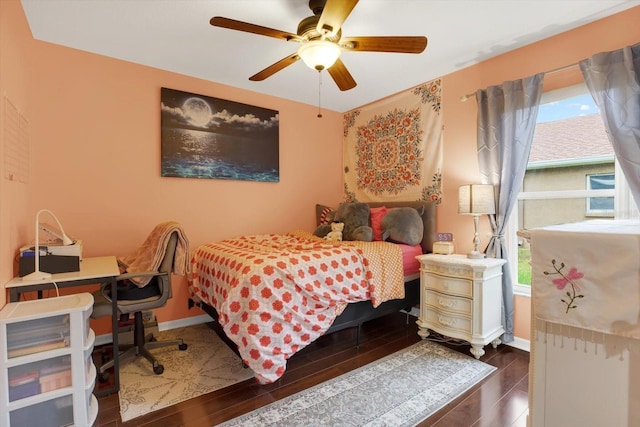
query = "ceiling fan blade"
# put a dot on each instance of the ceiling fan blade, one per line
(400, 44)
(232, 24)
(274, 68)
(341, 76)
(334, 14)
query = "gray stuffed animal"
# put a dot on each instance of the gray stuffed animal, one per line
(356, 221)
(355, 217)
(403, 225)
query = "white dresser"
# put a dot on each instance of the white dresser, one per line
(461, 298)
(585, 343)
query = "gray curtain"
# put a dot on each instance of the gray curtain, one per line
(613, 78)
(506, 122)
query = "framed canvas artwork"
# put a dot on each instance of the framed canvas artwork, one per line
(204, 137)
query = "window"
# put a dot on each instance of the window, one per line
(599, 206)
(571, 175)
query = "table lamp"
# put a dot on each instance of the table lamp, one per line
(37, 274)
(476, 200)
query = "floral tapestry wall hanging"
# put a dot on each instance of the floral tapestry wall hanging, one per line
(204, 137)
(392, 149)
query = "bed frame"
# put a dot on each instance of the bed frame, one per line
(355, 314)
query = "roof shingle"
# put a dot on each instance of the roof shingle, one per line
(580, 137)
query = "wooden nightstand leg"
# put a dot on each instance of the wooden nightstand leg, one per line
(422, 330)
(477, 350)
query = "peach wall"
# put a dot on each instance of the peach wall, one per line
(95, 135)
(460, 161)
(15, 85)
(96, 148)
(98, 155)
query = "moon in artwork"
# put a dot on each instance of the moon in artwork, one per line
(197, 111)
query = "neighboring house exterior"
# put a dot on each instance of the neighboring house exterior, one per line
(564, 154)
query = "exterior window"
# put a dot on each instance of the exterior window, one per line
(600, 205)
(570, 177)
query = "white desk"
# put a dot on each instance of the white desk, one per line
(90, 269)
(95, 270)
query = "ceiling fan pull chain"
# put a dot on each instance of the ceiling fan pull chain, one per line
(319, 85)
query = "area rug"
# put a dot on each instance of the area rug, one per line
(401, 389)
(207, 365)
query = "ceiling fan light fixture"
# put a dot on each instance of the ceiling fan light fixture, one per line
(319, 54)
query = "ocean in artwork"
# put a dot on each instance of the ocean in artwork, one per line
(189, 153)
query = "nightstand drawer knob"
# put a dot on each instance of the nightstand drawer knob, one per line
(446, 302)
(446, 321)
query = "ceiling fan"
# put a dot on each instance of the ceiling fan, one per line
(321, 42)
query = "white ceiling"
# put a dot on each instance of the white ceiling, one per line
(175, 35)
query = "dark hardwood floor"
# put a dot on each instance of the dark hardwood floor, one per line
(501, 399)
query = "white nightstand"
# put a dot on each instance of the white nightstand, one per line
(461, 298)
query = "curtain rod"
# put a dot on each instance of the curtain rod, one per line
(463, 98)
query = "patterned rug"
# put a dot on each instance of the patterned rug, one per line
(401, 389)
(207, 365)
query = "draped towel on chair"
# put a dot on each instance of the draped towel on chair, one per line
(613, 78)
(392, 149)
(506, 122)
(149, 256)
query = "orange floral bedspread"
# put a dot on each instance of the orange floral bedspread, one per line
(276, 293)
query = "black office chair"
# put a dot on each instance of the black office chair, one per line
(132, 299)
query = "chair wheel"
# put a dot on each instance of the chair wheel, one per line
(182, 347)
(103, 377)
(158, 369)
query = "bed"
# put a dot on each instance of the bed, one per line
(271, 295)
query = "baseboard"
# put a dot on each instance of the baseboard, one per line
(181, 323)
(520, 344)
(415, 312)
(103, 339)
(164, 326)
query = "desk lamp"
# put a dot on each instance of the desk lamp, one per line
(476, 200)
(37, 274)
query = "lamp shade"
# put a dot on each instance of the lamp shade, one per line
(319, 54)
(476, 199)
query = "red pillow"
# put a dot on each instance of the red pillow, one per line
(376, 221)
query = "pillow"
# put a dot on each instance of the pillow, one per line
(356, 221)
(376, 221)
(403, 225)
(324, 214)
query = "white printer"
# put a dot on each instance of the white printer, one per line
(56, 247)
(54, 256)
